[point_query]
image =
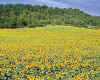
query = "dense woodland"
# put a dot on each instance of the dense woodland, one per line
(19, 15)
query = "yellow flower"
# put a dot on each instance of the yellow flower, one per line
(49, 76)
(78, 77)
(93, 72)
(42, 67)
(48, 66)
(57, 76)
(62, 72)
(15, 76)
(62, 64)
(38, 78)
(2, 73)
(87, 78)
(30, 77)
(42, 78)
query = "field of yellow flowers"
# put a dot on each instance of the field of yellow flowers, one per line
(50, 53)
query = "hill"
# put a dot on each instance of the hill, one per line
(19, 15)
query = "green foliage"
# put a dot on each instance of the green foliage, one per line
(19, 15)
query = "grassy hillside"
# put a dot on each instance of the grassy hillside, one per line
(50, 53)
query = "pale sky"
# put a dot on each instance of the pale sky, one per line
(89, 6)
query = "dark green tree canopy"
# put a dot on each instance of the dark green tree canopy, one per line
(20, 15)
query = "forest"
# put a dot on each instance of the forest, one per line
(20, 15)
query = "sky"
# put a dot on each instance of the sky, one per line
(89, 6)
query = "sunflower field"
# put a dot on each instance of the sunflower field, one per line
(50, 53)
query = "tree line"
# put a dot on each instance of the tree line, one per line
(20, 15)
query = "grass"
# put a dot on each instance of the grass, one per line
(50, 53)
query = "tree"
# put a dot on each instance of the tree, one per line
(19, 15)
